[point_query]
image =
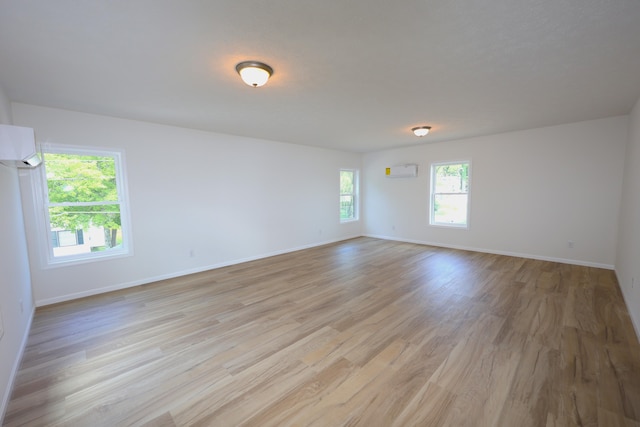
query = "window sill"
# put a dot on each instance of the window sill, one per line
(71, 261)
(450, 226)
(346, 221)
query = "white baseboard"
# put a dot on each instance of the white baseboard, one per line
(119, 286)
(15, 368)
(493, 251)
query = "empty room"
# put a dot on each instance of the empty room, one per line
(304, 213)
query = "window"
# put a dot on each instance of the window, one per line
(84, 203)
(348, 195)
(450, 194)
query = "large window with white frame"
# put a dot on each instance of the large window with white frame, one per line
(449, 201)
(85, 204)
(348, 195)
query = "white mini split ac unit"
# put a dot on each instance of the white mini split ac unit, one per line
(402, 171)
(18, 147)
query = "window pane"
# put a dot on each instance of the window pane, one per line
(81, 217)
(346, 207)
(78, 178)
(348, 194)
(100, 227)
(450, 209)
(452, 178)
(346, 182)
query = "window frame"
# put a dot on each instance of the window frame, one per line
(42, 201)
(354, 194)
(433, 194)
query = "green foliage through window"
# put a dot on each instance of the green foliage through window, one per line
(347, 194)
(83, 199)
(449, 194)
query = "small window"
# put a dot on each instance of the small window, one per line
(85, 203)
(450, 194)
(348, 195)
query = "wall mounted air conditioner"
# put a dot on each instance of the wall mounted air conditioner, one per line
(402, 171)
(18, 147)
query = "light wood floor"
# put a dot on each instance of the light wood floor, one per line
(363, 332)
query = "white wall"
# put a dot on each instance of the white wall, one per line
(628, 254)
(531, 192)
(15, 283)
(227, 198)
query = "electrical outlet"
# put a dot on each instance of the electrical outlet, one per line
(192, 253)
(570, 244)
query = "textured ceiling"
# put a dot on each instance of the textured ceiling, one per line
(353, 75)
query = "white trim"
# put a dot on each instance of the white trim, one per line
(496, 252)
(119, 286)
(347, 221)
(15, 368)
(88, 258)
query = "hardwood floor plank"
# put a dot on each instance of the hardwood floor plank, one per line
(612, 419)
(531, 395)
(579, 377)
(482, 395)
(291, 408)
(545, 323)
(430, 407)
(346, 403)
(164, 420)
(620, 392)
(363, 332)
(456, 369)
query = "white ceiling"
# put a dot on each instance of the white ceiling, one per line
(351, 74)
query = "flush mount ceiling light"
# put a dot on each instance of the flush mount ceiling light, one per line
(421, 130)
(254, 73)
